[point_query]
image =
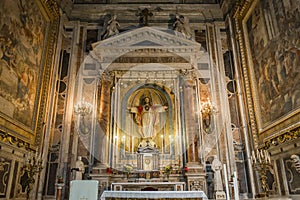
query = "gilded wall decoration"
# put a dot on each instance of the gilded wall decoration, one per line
(24, 38)
(272, 44)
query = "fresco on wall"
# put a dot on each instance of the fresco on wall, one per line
(274, 38)
(22, 34)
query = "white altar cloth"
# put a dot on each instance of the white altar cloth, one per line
(153, 194)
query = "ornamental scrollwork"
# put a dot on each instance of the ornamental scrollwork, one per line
(5, 137)
(287, 136)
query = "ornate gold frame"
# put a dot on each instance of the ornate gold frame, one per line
(280, 127)
(11, 131)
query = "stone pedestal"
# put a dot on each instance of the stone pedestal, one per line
(195, 176)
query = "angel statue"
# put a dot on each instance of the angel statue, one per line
(182, 26)
(112, 27)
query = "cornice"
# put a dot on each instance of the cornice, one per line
(6, 137)
(283, 138)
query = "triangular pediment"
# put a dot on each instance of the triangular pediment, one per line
(147, 37)
(146, 43)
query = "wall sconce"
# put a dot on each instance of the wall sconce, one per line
(260, 161)
(207, 110)
(83, 109)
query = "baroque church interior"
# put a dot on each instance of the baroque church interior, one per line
(152, 99)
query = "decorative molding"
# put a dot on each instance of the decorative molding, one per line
(141, 38)
(51, 7)
(13, 140)
(285, 137)
(48, 67)
(197, 185)
(240, 11)
(241, 8)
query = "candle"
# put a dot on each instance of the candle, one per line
(258, 156)
(226, 182)
(235, 186)
(266, 156)
(253, 157)
(262, 154)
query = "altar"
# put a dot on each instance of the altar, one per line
(147, 136)
(157, 186)
(195, 195)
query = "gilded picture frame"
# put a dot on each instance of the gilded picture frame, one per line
(28, 31)
(270, 48)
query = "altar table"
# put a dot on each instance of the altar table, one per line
(149, 195)
(177, 186)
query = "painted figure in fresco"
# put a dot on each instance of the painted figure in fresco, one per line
(147, 116)
(112, 27)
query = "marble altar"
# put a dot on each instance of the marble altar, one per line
(176, 186)
(195, 195)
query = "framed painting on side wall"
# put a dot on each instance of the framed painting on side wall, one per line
(271, 37)
(25, 32)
